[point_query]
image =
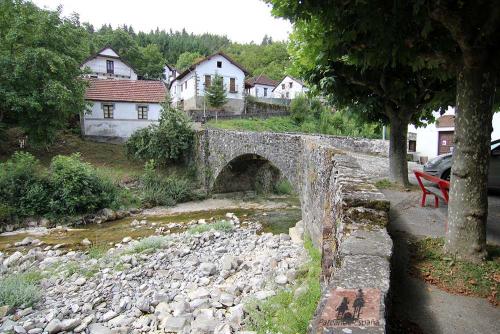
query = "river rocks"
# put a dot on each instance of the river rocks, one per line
(86, 242)
(192, 283)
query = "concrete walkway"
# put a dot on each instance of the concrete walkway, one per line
(434, 311)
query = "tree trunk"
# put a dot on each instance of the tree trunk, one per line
(468, 205)
(398, 147)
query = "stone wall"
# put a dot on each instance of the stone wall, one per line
(342, 212)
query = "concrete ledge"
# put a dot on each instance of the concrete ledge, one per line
(361, 242)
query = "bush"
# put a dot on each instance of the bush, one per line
(158, 190)
(283, 187)
(77, 186)
(70, 186)
(19, 289)
(222, 225)
(147, 244)
(300, 109)
(169, 141)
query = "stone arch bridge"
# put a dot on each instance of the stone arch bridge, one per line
(342, 211)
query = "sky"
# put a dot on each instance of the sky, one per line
(241, 20)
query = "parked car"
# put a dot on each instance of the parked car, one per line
(440, 166)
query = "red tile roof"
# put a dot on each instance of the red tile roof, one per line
(261, 80)
(126, 90)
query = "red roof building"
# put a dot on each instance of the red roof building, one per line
(126, 91)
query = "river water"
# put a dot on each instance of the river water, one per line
(275, 216)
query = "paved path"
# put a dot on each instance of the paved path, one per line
(433, 310)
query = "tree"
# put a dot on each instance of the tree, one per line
(152, 62)
(215, 93)
(187, 59)
(460, 39)
(40, 55)
(394, 94)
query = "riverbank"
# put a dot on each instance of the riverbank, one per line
(177, 283)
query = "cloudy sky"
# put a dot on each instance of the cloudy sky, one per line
(240, 20)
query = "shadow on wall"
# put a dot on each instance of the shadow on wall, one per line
(248, 172)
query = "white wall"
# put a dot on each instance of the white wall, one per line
(178, 94)
(98, 67)
(227, 71)
(293, 92)
(258, 90)
(427, 137)
(124, 121)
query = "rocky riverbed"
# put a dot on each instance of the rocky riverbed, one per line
(186, 282)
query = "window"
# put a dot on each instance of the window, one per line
(232, 85)
(256, 91)
(186, 85)
(208, 80)
(219, 64)
(282, 86)
(265, 91)
(287, 95)
(412, 145)
(110, 67)
(290, 84)
(181, 87)
(107, 110)
(142, 112)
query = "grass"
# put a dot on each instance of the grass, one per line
(97, 251)
(285, 313)
(71, 268)
(146, 245)
(20, 289)
(386, 184)
(222, 225)
(429, 262)
(283, 187)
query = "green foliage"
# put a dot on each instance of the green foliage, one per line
(20, 289)
(221, 225)
(77, 188)
(283, 187)
(186, 59)
(329, 123)
(300, 109)
(269, 58)
(169, 141)
(147, 244)
(287, 312)
(152, 63)
(70, 186)
(215, 94)
(40, 55)
(97, 251)
(159, 190)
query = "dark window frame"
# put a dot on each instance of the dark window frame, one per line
(142, 111)
(290, 84)
(110, 69)
(282, 86)
(232, 85)
(219, 64)
(108, 110)
(265, 91)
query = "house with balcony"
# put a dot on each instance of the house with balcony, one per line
(289, 88)
(187, 90)
(107, 64)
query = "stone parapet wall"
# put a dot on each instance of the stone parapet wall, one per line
(342, 211)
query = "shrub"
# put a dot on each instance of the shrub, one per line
(20, 289)
(299, 109)
(222, 225)
(283, 187)
(158, 190)
(23, 185)
(97, 251)
(147, 244)
(169, 141)
(77, 186)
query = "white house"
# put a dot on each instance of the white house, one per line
(120, 107)
(437, 138)
(260, 86)
(169, 74)
(188, 88)
(289, 88)
(107, 64)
